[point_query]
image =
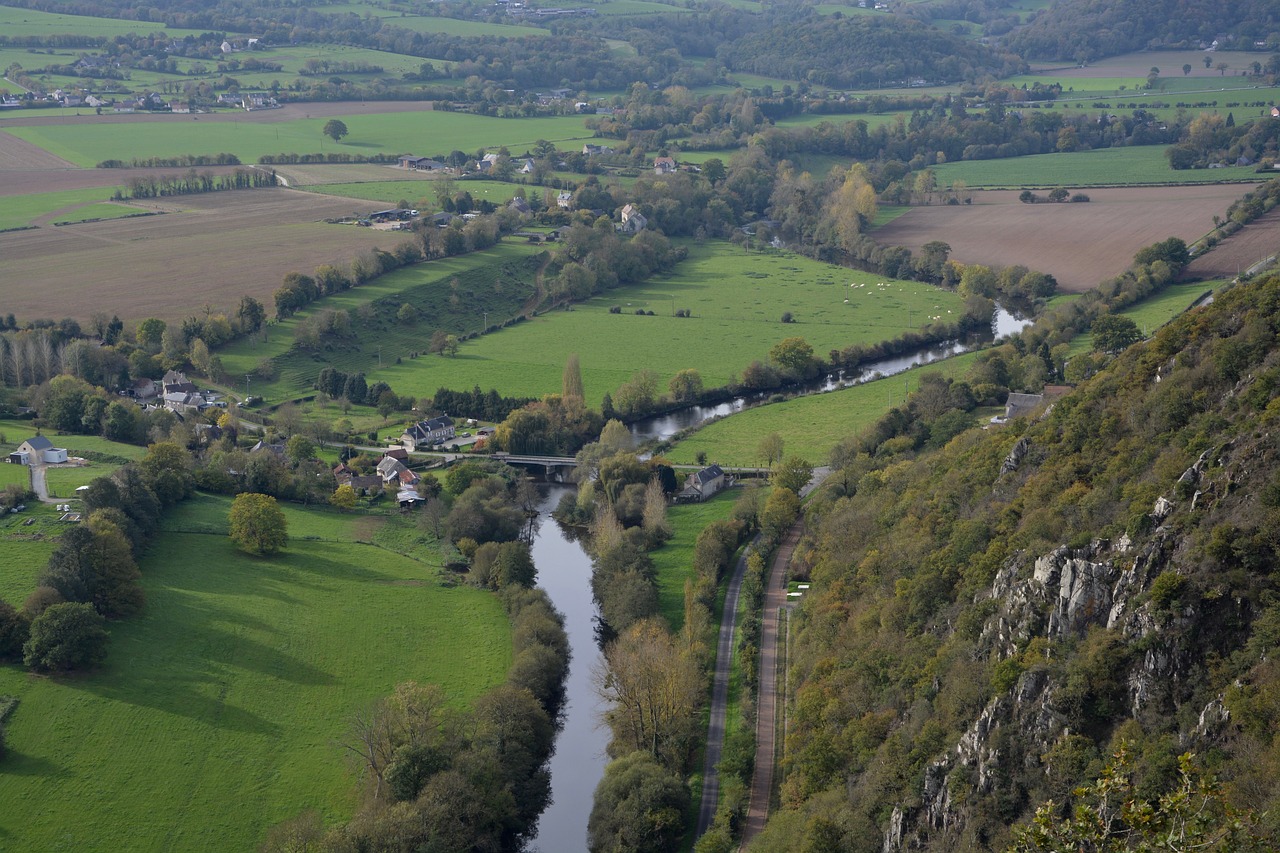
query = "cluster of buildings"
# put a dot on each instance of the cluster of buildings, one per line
(174, 392)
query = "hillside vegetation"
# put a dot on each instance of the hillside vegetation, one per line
(990, 621)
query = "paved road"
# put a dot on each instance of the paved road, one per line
(724, 656)
(768, 696)
(720, 700)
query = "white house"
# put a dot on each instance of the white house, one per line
(701, 485)
(633, 220)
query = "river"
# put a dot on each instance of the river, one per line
(663, 427)
(564, 571)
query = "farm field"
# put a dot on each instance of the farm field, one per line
(20, 211)
(1154, 311)
(736, 300)
(210, 249)
(221, 710)
(1260, 239)
(810, 426)
(1138, 165)
(18, 154)
(1093, 241)
(24, 551)
(674, 560)
(17, 22)
(91, 140)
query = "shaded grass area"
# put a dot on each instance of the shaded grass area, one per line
(429, 286)
(674, 560)
(1136, 165)
(88, 143)
(221, 709)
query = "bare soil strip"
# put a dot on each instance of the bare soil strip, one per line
(210, 249)
(1257, 240)
(16, 154)
(1080, 244)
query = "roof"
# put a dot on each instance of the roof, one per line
(38, 442)
(706, 475)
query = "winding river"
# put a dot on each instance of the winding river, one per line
(663, 427)
(564, 571)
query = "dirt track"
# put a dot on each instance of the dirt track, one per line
(210, 248)
(1079, 244)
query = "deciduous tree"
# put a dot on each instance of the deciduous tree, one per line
(69, 635)
(258, 524)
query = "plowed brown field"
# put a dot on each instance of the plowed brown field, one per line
(211, 250)
(1080, 244)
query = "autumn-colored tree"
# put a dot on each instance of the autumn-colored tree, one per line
(257, 523)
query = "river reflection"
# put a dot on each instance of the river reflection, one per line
(564, 571)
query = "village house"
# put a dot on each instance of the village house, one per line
(276, 450)
(393, 471)
(633, 221)
(564, 200)
(427, 433)
(519, 205)
(595, 150)
(701, 485)
(664, 165)
(38, 450)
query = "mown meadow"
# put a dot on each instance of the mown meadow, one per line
(222, 709)
(423, 132)
(674, 560)
(22, 210)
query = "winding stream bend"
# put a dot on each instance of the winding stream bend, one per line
(564, 571)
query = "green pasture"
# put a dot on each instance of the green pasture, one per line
(736, 299)
(674, 560)
(221, 709)
(18, 22)
(21, 210)
(14, 475)
(810, 426)
(1160, 308)
(105, 210)
(461, 27)
(88, 143)
(1136, 165)
(24, 552)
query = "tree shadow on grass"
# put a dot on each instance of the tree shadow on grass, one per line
(19, 763)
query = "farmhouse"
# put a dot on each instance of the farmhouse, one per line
(394, 471)
(428, 432)
(633, 221)
(38, 451)
(664, 165)
(593, 150)
(701, 485)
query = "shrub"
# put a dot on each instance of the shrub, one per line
(787, 317)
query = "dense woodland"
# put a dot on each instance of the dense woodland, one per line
(1086, 30)
(995, 616)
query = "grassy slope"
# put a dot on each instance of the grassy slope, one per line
(674, 560)
(28, 22)
(386, 133)
(220, 709)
